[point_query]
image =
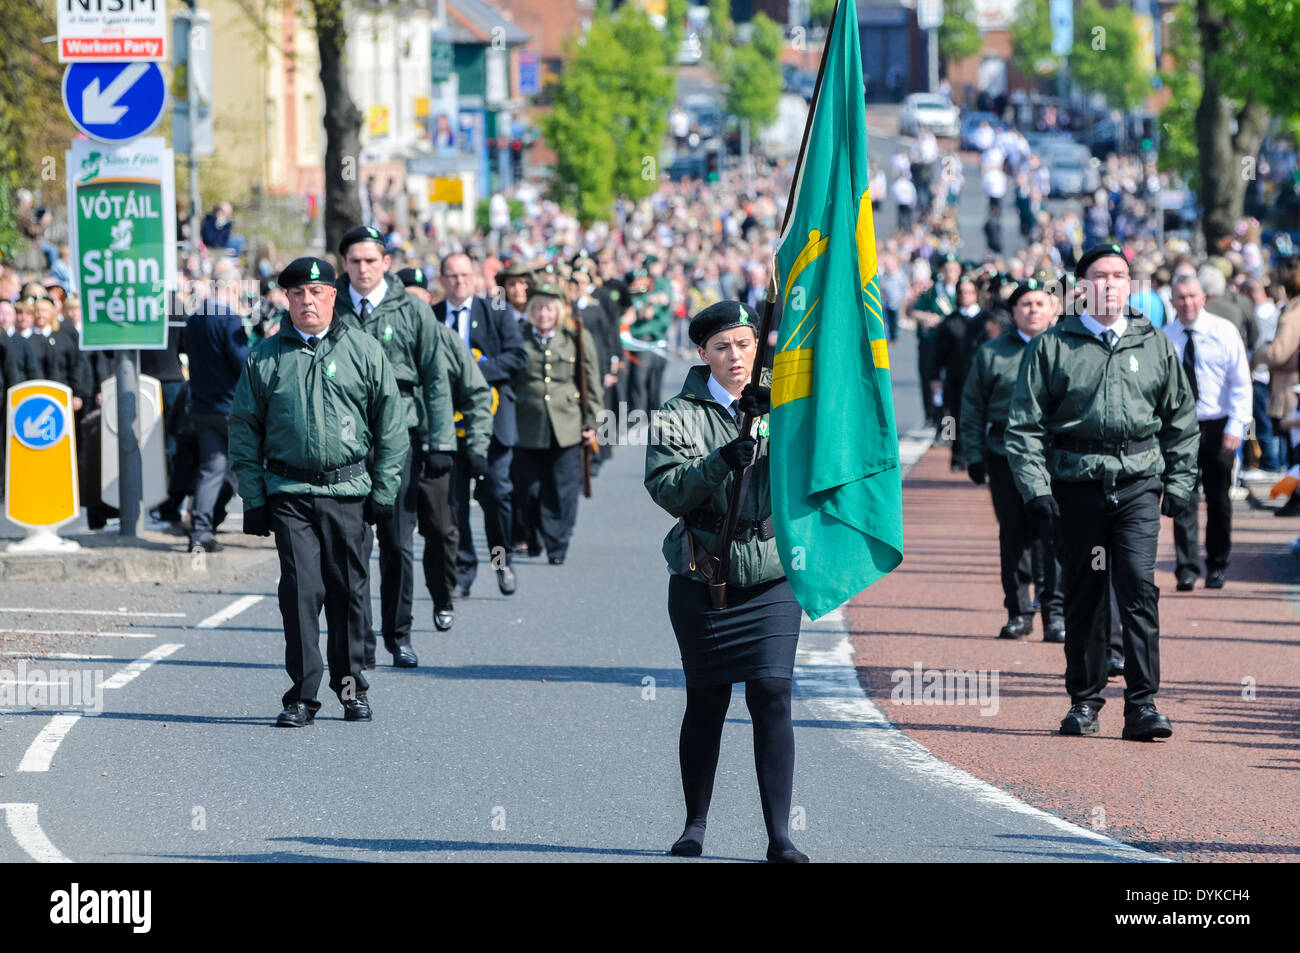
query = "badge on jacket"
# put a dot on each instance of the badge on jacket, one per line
(1133, 363)
(331, 370)
(388, 333)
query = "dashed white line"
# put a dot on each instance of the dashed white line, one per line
(41, 751)
(133, 670)
(27, 832)
(116, 612)
(86, 632)
(229, 612)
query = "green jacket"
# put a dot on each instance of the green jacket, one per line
(684, 471)
(934, 299)
(654, 328)
(317, 410)
(404, 325)
(986, 397)
(1071, 384)
(547, 400)
(473, 399)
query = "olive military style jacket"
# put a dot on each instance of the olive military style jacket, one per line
(547, 399)
(318, 410)
(471, 395)
(684, 472)
(1072, 386)
(986, 396)
(404, 326)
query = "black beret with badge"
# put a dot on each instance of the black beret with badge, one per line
(306, 271)
(414, 278)
(362, 233)
(1095, 253)
(1042, 281)
(722, 316)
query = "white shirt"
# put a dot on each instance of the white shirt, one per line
(1099, 329)
(1222, 371)
(1023, 336)
(306, 337)
(723, 396)
(458, 318)
(376, 295)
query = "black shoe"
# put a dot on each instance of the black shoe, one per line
(556, 560)
(357, 709)
(534, 551)
(1146, 724)
(295, 715)
(1214, 579)
(1115, 667)
(404, 657)
(205, 546)
(1082, 719)
(1186, 580)
(1017, 627)
(443, 619)
(686, 847)
(506, 581)
(1055, 631)
(786, 855)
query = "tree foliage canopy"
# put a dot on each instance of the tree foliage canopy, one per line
(959, 37)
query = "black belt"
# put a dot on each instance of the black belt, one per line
(317, 477)
(408, 390)
(1111, 448)
(711, 522)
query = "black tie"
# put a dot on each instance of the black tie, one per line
(1110, 337)
(1189, 364)
(365, 308)
(312, 342)
(734, 407)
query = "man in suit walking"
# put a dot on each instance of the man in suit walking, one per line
(494, 340)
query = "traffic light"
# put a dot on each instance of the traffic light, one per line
(517, 159)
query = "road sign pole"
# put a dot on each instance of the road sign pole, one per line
(192, 107)
(131, 482)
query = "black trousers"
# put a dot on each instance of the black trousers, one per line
(1214, 482)
(437, 524)
(1021, 548)
(546, 496)
(645, 380)
(493, 493)
(396, 555)
(319, 539)
(1110, 539)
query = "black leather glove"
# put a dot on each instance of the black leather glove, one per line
(438, 464)
(976, 472)
(740, 452)
(755, 401)
(257, 521)
(374, 512)
(1043, 509)
(1173, 505)
(478, 465)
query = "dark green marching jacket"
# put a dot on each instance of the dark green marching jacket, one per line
(317, 410)
(1072, 386)
(684, 472)
(986, 396)
(405, 327)
(547, 400)
(471, 395)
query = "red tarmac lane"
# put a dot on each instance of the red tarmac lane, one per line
(1224, 787)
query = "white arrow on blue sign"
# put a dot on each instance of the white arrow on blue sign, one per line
(114, 102)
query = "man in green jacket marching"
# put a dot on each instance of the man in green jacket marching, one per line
(317, 441)
(1106, 389)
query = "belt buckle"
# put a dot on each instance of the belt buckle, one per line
(318, 478)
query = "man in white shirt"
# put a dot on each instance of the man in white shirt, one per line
(1214, 359)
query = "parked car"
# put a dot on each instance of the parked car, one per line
(1071, 168)
(931, 111)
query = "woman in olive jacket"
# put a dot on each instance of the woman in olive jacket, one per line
(553, 422)
(692, 457)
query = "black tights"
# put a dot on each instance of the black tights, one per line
(768, 700)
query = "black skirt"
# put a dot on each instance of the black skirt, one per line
(754, 637)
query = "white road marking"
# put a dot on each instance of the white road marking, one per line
(116, 612)
(87, 632)
(27, 832)
(61, 656)
(229, 612)
(33, 681)
(41, 751)
(133, 670)
(826, 678)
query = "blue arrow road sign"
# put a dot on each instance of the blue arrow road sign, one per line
(114, 102)
(38, 422)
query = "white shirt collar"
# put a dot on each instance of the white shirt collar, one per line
(721, 394)
(376, 295)
(305, 336)
(1098, 329)
(1023, 336)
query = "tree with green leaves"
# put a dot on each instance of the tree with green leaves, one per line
(1031, 39)
(1105, 55)
(342, 123)
(959, 37)
(753, 74)
(721, 30)
(608, 121)
(821, 12)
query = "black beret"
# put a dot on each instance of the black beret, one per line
(947, 258)
(636, 273)
(266, 285)
(362, 233)
(414, 278)
(722, 316)
(302, 271)
(1023, 288)
(1096, 252)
